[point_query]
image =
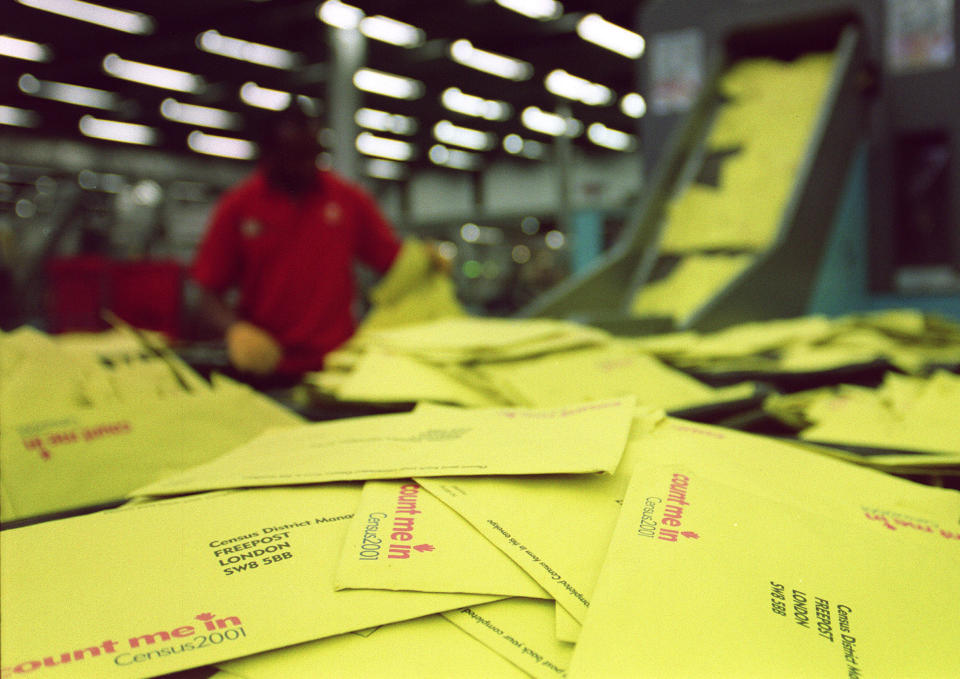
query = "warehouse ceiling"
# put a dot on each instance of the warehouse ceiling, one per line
(170, 34)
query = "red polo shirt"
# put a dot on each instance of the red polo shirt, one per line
(292, 259)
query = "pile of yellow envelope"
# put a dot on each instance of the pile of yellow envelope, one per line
(764, 125)
(84, 419)
(477, 362)
(906, 413)
(591, 539)
(910, 340)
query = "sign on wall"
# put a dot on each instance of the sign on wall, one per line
(919, 35)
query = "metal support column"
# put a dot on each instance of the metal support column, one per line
(348, 53)
(586, 238)
(563, 156)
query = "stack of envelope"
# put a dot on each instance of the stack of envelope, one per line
(906, 414)
(762, 130)
(594, 539)
(478, 362)
(906, 339)
(84, 419)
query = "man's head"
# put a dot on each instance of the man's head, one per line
(289, 149)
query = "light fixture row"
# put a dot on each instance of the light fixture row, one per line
(591, 27)
(558, 82)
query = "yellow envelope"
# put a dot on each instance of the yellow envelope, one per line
(754, 338)
(62, 458)
(906, 413)
(159, 587)
(87, 370)
(537, 521)
(380, 377)
(411, 265)
(413, 291)
(441, 441)
(426, 648)
(695, 280)
(453, 340)
(787, 473)
(602, 372)
(403, 538)
(937, 465)
(716, 571)
(521, 630)
(567, 627)
(34, 367)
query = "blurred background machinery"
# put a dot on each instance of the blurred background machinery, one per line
(539, 143)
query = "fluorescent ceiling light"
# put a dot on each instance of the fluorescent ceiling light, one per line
(107, 181)
(456, 100)
(205, 116)
(340, 14)
(264, 97)
(393, 149)
(594, 28)
(520, 254)
(68, 94)
(484, 235)
(535, 9)
(538, 120)
(601, 135)
(513, 143)
(633, 105)
(453, 158)
(128, 133)
(216, 145)
(117, 19)
(18, 117)
(516, 145)
(387, 84)
(470, 232)
(148, 74)
(448, 133)
(382, 121)
(391, 31)
(554, 239)
(464, 53)
(385, 169)
(256, 53)
(567, 85)
(23, 49)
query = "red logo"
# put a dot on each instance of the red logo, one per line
(251, 228)
(424, 548)
(332, 212)
(690, 534)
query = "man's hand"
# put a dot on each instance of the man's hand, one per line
(251, 349)
(437, 260)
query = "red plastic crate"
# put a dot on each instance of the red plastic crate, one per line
(147, 294)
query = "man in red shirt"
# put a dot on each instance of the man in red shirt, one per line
(287, 237)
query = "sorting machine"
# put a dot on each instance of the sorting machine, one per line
(872, 193)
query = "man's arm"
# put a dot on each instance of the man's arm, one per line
(249, 348)
(214, 312)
